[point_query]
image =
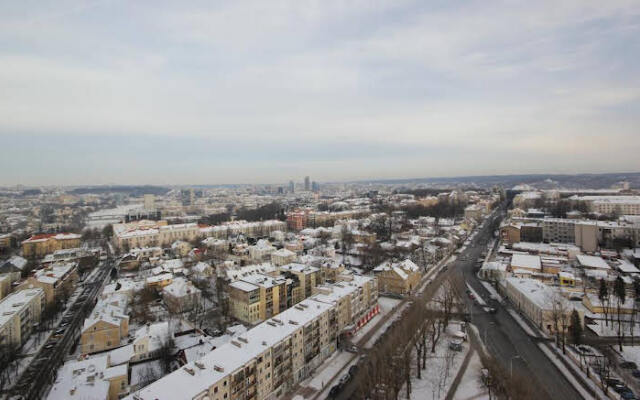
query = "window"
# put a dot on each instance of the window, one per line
(215, 389)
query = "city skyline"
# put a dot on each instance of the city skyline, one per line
(112, 92)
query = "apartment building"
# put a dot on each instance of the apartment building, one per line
(304, 278)
(263, 363)
(93, 378)
(147, 233)
(622, 205)
(19, 313)
(41, 244)
(252, 229)
(5, 285)
(58, 281)
(257, 297)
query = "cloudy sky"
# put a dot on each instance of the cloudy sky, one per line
(115, 91)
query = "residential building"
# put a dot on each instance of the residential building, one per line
(304, 278)
(15, 267)
(282, 257)
(536, 300)
(93, 378)
(257, 297)
(104, 329)
(41, 244)
(263, 363)
(181, 296)
(149, 341)
(58, 281)
(19, 313)
(5, 285)
(398, 278)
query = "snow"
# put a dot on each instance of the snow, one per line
(470, 386)
(631, 353)
(441, 370)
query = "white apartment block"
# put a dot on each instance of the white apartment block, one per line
(19, 313)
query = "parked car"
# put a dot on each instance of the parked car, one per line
(352, 349)
(628, 365)
(628, 395)
(353, 370)
(584, 349)
(619, 387)
(455, 345)
(335, 390)
(344, 379)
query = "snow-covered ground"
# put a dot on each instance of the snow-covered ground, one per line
(600, 328)
(470, 386)
(631, 353)
(442, 368)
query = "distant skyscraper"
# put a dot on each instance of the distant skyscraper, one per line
(315, 187)
(149, 202)
(307, 183)
(292, 187)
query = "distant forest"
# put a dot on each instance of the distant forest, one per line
(130, 190)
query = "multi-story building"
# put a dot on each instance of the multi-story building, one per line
(93, 378)
(621, 205)
(282, 257)
(256, 297)
(39, 245)
(304, 278)
(263, 363)
(19, 313)
(147, 233)
(58, 281)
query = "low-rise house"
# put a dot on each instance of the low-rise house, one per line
(150, 340)
(93, 378)
(399, 278)
(180, 295)
(526, 262)
(181, 248)
(261, 251)
(493, 271)
(104, 329)
(14, 266)
(19, 314)
(282, 257)
(540, 303)
(202, 270)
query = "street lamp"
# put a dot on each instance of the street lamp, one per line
(511, 365)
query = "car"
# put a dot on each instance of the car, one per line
(344, 379)
(49, 346)
(351, 349)
(619, 387)
(584, 349)
(455, 345)
(628, 365)
(636, 373)
(335, 390)
(353, 370)
(628, 395)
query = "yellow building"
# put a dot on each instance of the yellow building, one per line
(19, 313)
(159, 281)
(39, 245)
(57, 280)
(104, 329)
(5, 285)
(257, 297)
(398, 278)
(304, 278)
(267, 361)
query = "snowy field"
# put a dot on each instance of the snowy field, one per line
(600, 328)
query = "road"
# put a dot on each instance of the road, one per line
(506, 340)
(36, 379)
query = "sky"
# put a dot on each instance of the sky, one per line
(208, 92)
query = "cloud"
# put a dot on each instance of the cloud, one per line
(414, 88)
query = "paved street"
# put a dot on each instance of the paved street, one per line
(505, 339)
